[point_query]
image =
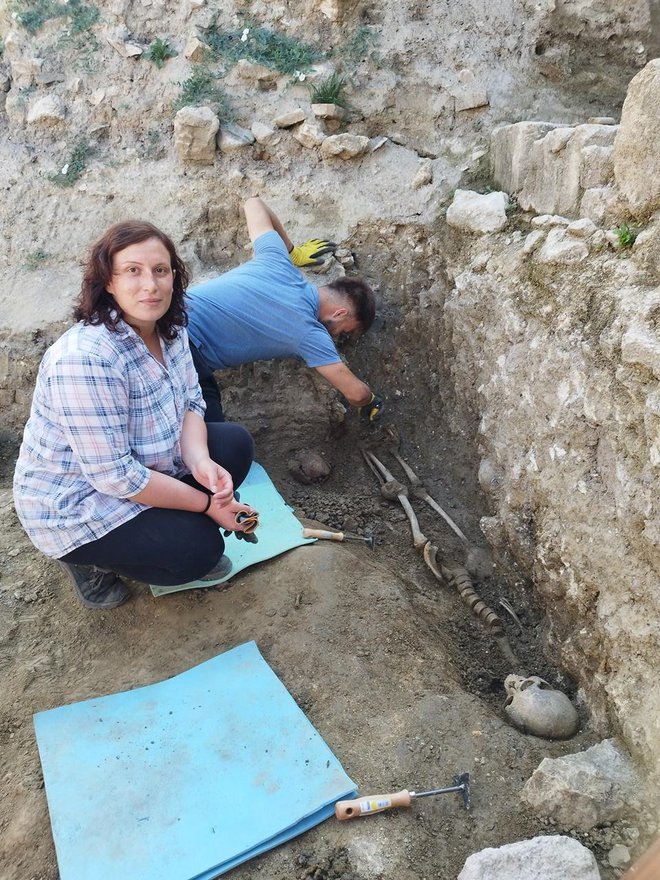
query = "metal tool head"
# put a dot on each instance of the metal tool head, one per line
(368, 539)
(463, 782)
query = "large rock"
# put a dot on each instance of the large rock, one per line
(637, 144)
(586, 789)
(195, 129)
(510, 152)
(47, 111)
(561, 164)
(344, 146)
(232, 137)
(561, 248)
(474, 212)
(551, 858)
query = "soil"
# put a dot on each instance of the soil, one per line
(388, 664)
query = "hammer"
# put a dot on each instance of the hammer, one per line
(326, 535)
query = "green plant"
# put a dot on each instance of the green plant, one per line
(270, 48)
(35, 260)
(72, 170)
(627, 234)
(359, 47)
(33, 14)
(511, 206)
(329, 91)
(202, 89)
(159, 51)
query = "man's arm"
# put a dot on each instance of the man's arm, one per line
(261, 219)
(356, 392)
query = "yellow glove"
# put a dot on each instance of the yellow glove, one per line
(310, 252)
(371, 411)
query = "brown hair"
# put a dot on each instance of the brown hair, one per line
(361, 297)
(96, 306)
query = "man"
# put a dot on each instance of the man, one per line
(266, 309)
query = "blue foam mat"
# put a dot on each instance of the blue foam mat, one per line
(185, 778)
(278, 531)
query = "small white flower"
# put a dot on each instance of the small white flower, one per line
(302, 77)
(244, 35)
(65, 168)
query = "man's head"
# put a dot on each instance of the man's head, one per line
(347, 305)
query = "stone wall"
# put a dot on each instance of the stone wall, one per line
(554, 332)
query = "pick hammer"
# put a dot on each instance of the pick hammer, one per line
(326, 535)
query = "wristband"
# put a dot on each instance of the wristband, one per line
(209, 498)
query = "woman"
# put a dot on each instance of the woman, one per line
(116, 474)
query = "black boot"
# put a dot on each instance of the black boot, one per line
(96, 588)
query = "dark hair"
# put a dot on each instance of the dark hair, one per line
(96, 306)
(361, 297)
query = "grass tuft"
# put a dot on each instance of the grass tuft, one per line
(329, 91)
(159, 51)
(33, 14)
(627, 234)
(202, 89)
(72, 170)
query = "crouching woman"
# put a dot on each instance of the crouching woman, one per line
(118, 475)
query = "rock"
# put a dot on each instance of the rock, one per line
(554, 857)
(265, 135)
(118, 39)
(556, 165)
(533, 240)
(249, 71)
(602, 204)
(585, 789)
(24, 71)
(561, 249)
(195, 50)
(309, 135)
(292, 117)
(618, 856)
(47, 111)
(309, 466)
(601, 120)
(375, 143)
(584, 228)
(547, 221)
(640, 347)
(637, 144)
(232, 137)
(597, 168)
(195, 130)
(344, 146)
(424, 174)
(510, 150)
(474, 212)
(468, 94)
(328, 111)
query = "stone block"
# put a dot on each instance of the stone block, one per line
(478, 213)
(552, 857)
(328, 111)
(597, 167)
(585, 789)
(637, 144)
(47, 111)
(290, 118)
(265, 135)
(344, 146)
(195, 50)
(309, 135)
(232, 137)
(195, 130)
(510, 147)
(561, 249)
(602, 204)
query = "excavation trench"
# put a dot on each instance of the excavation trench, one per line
(400, 669)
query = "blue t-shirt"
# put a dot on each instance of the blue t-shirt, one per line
(261, 310)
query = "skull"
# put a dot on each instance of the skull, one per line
(535, 707)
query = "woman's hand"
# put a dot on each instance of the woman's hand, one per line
(217, 480)
(225, 517)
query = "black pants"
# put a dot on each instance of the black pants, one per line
(210, 388)
(168, 547)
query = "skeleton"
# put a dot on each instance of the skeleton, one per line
(454, 574)
(536, 707)
(532, 704)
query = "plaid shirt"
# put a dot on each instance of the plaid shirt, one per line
(105, 412)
